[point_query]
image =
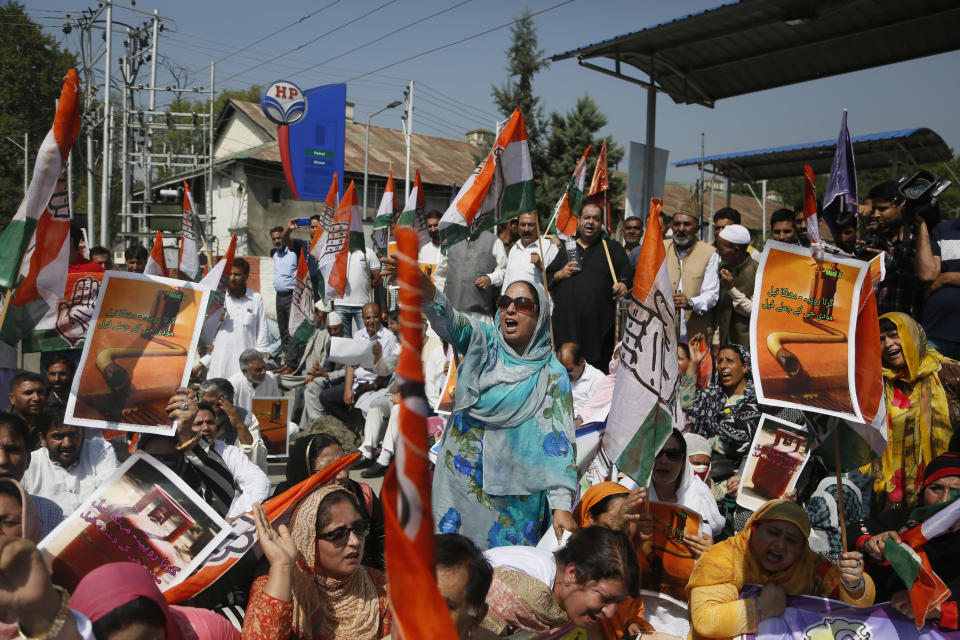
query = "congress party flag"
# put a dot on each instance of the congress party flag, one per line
(156, 263)
(927, 590)
(406, 489)
(415, 211)
(645, 393)
(568, 209)
(600, 185)
(386, 214)
(190, 240)
(35, 246)
(500, 189)
(217, 280)
(332, 248)
(301, 309)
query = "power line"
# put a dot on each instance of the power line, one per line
(322, 35)
(454, 125)
(452, 106)
(471, 123)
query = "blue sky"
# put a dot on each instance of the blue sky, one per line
(455, 81)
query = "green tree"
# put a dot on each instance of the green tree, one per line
(569, 135)
(32, 67)
(524, 60)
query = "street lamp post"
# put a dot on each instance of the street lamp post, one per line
(366, 152)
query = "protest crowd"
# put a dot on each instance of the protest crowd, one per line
(548, 452)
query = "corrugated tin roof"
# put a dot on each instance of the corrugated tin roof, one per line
(873, 151)
(440, 160)
(752, 45)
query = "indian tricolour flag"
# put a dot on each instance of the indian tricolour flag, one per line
(301, 308)
(415, 211)
(645, 394)
(927, 590)
(500, 189)
(191, 235)
(217, 280)
(157, 262)
(568, 209)
(385, 216)
(35, 246)
(332, 247)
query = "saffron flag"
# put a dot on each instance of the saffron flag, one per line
(841, 190)
(35, 246)
(301, 309)
(386, 215)
(645, 393)
(810, 204)
(156, 263)
(217, 280)
(415, 211)
(238, 554)
(329, 205)
(927, 590)
(190, 238)
(568, 209)
(500, 189)
(35, 210)
(407, 512)
(332, 248)
(600, 185)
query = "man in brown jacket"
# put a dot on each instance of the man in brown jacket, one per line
(738, 272)
(694, 272)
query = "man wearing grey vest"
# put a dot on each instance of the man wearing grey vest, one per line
(694, 268)
(475, 270)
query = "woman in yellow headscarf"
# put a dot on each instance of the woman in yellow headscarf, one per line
(919, 417)
(772, 551)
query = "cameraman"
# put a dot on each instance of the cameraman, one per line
(938, 263)
(896, 236)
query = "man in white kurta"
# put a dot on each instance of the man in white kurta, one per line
(243, 325)
(583, 376)
(525, 262)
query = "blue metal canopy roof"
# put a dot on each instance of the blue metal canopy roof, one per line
(753, 45)
(876, 150)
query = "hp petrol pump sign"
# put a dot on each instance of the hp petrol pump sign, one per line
(283, 102)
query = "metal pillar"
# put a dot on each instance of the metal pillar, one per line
(651, 140)
(105, 180)
(408, 130)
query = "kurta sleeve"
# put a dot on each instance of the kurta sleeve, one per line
(710, 289)
(450, 324)
(263, 333)
(716, 611)
(266, 618)
(500, 256)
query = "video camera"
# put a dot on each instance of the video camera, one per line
(921, 192)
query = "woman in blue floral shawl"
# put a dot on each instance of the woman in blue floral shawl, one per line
(506, 463)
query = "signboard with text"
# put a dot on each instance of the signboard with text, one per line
(317, 142)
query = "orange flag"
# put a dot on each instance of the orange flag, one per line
(156, 263)
(600, 184)
(406, 489)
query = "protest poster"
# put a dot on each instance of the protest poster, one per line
(137, 351)
(143, 513)
(665, 560)
(273, 414)
(811, 618)
(779, 452)
(802, 330)
(65, 324)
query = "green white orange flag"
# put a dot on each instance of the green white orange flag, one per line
(301, 308)
(926, 588)
(642, 413)
(385, 215)
(156, 263)
(332, 248)
(408, 517)
(600, 185)
(216, 280)
(190, 238)
(415, 211)
(500, 189)
(568, 209)
(35, 246)
(329, 205)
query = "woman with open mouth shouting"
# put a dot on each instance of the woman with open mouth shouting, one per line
(506, 464)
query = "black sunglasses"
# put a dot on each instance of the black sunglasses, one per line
(522, 303)
(339, 536)
(672, 454)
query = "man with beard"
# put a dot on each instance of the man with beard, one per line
(321, 372)
(475, 270)
(782, 228)
(243, 324)
(694, 274)
(632, 233)
(28, 398)
(523, 261)
(431, 259)
(585, 293)
(738, 272)
(60, 376)
(508, 234)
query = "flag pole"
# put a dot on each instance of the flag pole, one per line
(6, 305)
(840, 514)
(613, 274)
(543, 272)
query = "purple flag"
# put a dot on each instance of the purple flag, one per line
(843, 177)
(453, 191)
(809, 618)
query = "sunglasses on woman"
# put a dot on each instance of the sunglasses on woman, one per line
(522, 303)
(339, 536)
(671, 454)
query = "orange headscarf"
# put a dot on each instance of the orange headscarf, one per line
(592, 496)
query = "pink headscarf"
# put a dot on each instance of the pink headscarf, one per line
(113, 585)
(32, 530)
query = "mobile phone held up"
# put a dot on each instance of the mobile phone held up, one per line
(303, 222)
